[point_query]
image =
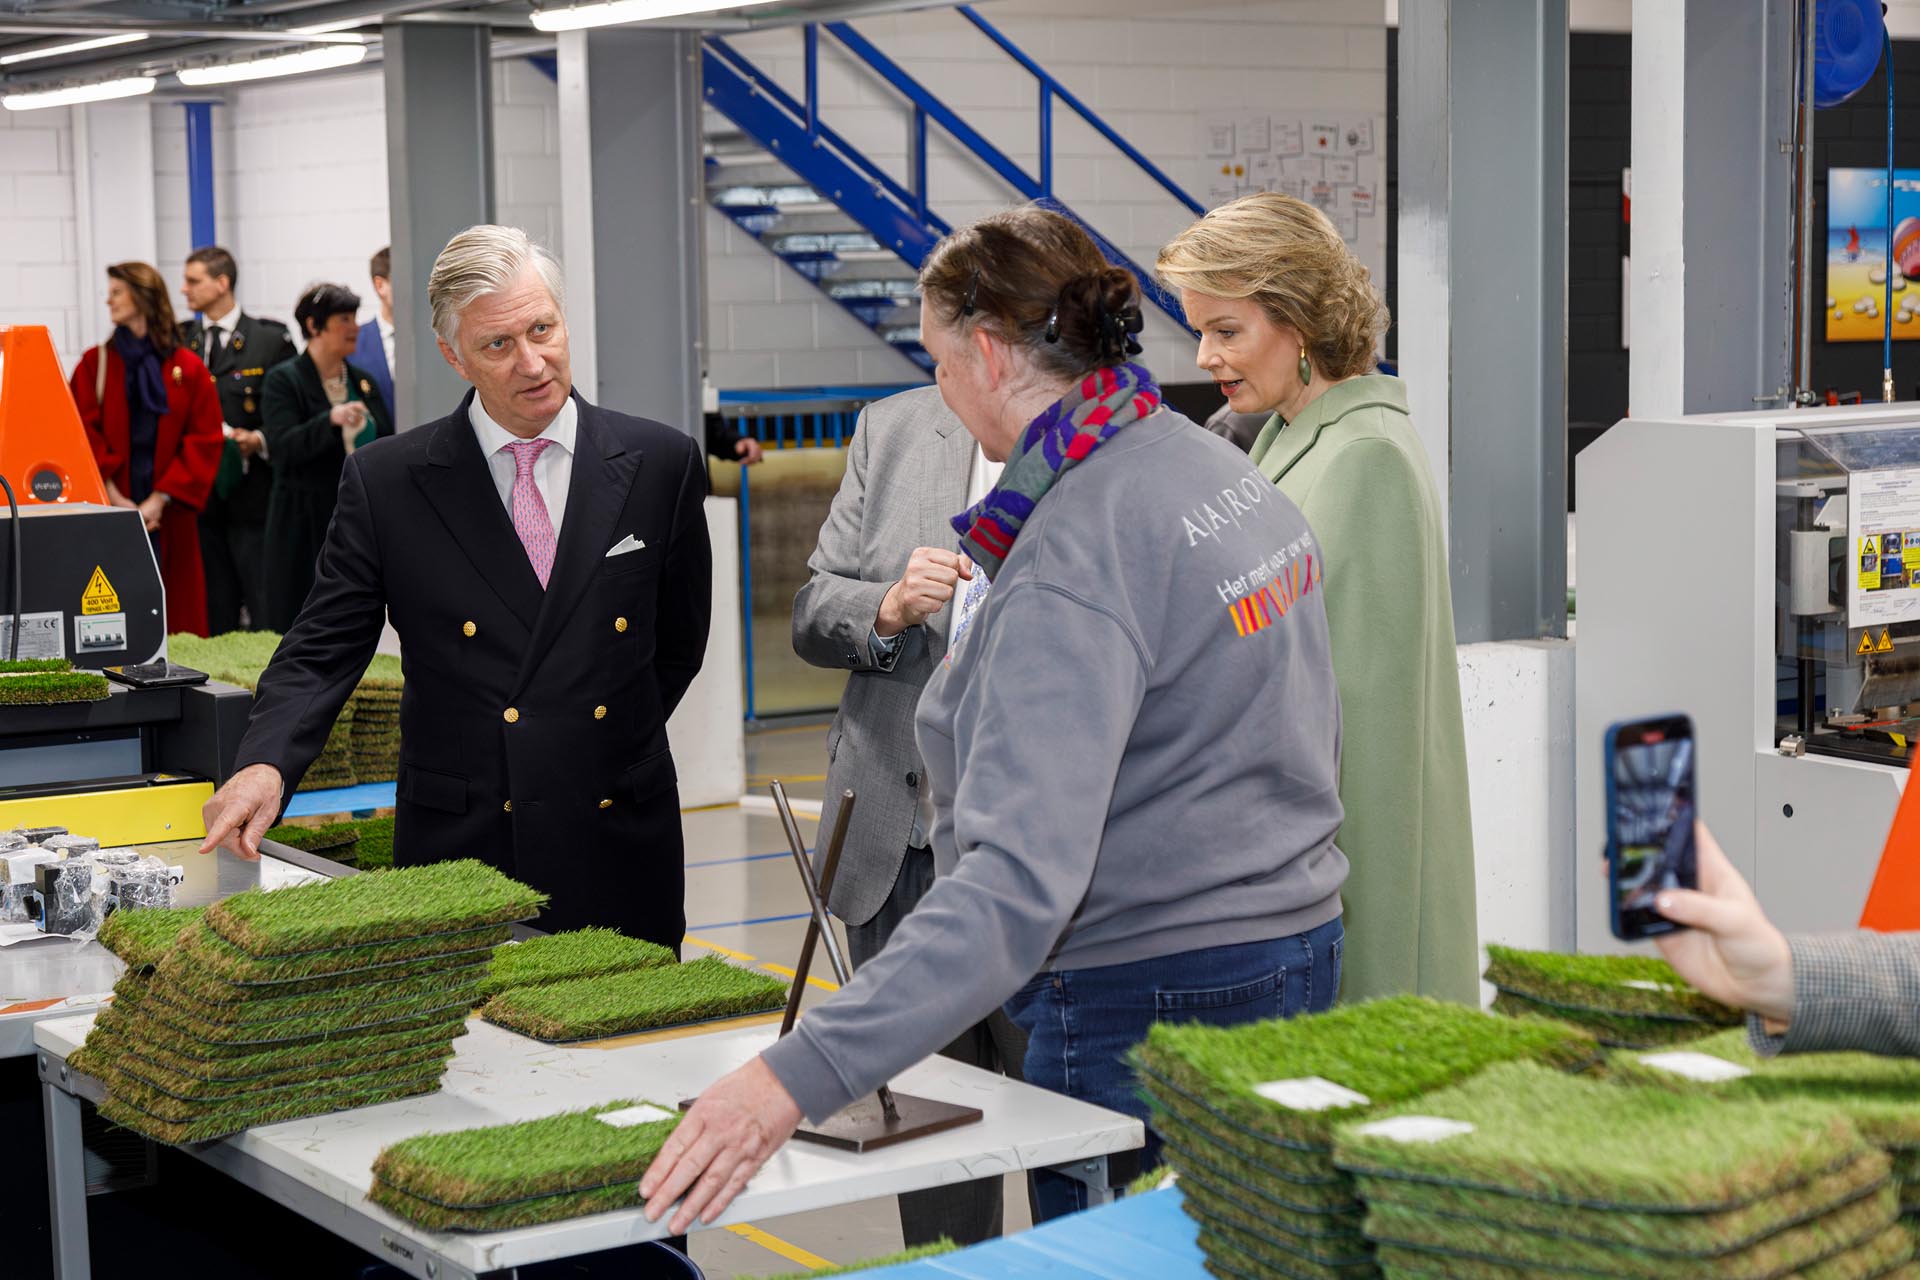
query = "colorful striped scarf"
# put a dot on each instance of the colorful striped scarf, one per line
(1088, 416)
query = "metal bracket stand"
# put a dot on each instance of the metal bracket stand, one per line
(886, 1118)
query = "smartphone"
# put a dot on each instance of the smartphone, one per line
(1651, 807)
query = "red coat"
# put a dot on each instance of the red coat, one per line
(186, 455)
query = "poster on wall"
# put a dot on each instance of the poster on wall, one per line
(1857, 242)
(1325, 157)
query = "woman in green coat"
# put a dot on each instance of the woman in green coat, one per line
(1288, 320)
(315, 410)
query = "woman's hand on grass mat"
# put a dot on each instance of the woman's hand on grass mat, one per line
(732, 1130)
(1729, 949)
(242, 810)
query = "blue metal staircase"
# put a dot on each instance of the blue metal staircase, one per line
(801, 189)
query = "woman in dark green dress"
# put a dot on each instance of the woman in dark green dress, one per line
(315, 410)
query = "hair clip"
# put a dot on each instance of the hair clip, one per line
(973, 288)
(1053, 324)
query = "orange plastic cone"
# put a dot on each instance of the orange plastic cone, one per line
(43, 448)
(1893, 904)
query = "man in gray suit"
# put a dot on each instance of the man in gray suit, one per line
(881, 604)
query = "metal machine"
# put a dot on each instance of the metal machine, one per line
(1753, 570)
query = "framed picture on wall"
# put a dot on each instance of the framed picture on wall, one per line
(1858, 242)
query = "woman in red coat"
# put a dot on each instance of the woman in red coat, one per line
(153, 418)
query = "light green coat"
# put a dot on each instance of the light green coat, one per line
(1355, 468)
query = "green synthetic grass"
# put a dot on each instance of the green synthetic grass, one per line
(1679, 1234)
(288, 1106)
(393, 1014)
(1546, 1136)
(640, 1000)
(128, 1087)
(186, 976)
(143, 938)
(202, 1083)
(329, 839)
(49, 687)
(1782, 1253)
(1151, 1180)
(221, 959)
(44, 666)
(919, 1254)
(1332, 1240)
(154, 1041)
(1634, 985)
(1247, 1253)
(1387, 1050)
(577, 953)
(157, 1026)
(517, 1174)
(1617, 1030)
(1180, 1118)
(378, 906)
(1329, 1196)
(1880, 1095)
(1885, 1254)
(364, 999)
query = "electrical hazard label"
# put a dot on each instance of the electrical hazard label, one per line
(1869, 645)
(99, 597)
(1886, 642)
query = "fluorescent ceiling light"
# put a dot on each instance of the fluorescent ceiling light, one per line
(328, 58)
(74, 95)
(329, 28)
(611, 13)
(72, 46)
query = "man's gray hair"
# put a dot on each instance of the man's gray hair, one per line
(482, 260)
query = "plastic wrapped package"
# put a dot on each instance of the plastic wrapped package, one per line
(146, 883)
(62, 901)
(121, 857)
(70, 844)
(11, 841)
(34, 835)
(17, 881)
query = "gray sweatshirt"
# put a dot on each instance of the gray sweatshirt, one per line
(1135, 752)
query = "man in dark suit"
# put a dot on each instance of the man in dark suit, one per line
(545, 562)
(237, 349)
(374, 351)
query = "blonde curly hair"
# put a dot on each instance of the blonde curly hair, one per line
(1285, 255)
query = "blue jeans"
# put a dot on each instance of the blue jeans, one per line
(1081, 1023)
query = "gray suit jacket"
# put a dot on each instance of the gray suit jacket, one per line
(1851, 992)
(907, 471)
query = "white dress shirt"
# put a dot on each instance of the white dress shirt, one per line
(221, 331)
(552, 470)
(386, 345)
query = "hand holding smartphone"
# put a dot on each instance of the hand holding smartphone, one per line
(1651, 807)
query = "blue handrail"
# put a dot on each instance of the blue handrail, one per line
(1051, 88)
(925, 102)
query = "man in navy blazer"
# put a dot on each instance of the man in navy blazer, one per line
(545, 562)
(374, 351)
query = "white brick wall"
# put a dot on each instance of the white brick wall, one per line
(1148, 67)
(39, 252)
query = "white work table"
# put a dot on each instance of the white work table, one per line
(321, 1168)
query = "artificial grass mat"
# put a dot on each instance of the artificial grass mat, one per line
(1616, 1030)
(366, 843)
(392, 1015)
(203, 983)
(288, 1106)
(1886, 1254)
(157, 1041)
(639, 1000)
(919, 1253)
(379, 906)
(518, 1174)
(44, 688)
(221, 959)
(349, 1006)
(129, 1088)
(1331, 1239)
(577, 953)
(1780, 1254)
(1634, 985)
(1540, 1135)
(223, 1081)
(1386, 1050)
(142, 938)
(1323, 1200)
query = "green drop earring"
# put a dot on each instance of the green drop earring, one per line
(1306, 369)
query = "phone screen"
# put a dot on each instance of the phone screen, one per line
(1650, 821)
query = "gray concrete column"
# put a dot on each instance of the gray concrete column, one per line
(1482, 301)
(439, 83)
(633, 225)
(1712, 227)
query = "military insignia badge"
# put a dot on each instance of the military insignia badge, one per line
(238, 341)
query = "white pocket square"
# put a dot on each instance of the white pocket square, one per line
(626, 544)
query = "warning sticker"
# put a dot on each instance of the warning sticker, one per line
(1883, 528)
(99, 597)
(1866, 644)
(1886, 642)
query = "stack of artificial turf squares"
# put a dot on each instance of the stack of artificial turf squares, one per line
(1522, 1171)
(1880, 1095)
(650, 996)
(355, 751)
(273, 1006)
(366, 843)
(1246, 1115)
(1633, 1002)
(44, 681)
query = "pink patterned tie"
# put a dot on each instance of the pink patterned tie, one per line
(530, 518)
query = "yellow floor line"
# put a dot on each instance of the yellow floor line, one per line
(785, 1248)
(794, 973)
(709, 808)
(729, 952)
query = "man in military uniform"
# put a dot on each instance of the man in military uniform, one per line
(238, 350)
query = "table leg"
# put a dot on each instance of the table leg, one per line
(66, 1183)
(1093, 1174)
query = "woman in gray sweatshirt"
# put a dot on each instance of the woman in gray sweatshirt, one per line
(1133, 747)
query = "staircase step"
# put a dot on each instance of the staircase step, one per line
(900, 287)
(787, 197)
(841, 244)
(902, 334)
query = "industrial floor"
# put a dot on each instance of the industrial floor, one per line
(744, 900)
